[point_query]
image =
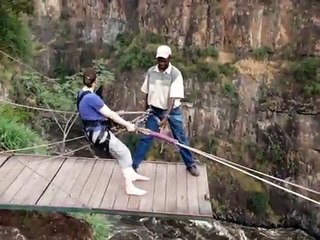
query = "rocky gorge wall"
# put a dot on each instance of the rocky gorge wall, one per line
(253, 118)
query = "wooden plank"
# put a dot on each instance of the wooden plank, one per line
(91, 183)
(9, 172)
(121, 199)
(102, 184)
(203, 191)
(192, 194)
(31, 165)
(182, 191)
(84, 184)
(160, 188)
(59, 199)
(134, 201)
(113, 187)
(79, 184)
(56, 186)
(37, 183)
(171, 190)
(3, 158)
(146, 203)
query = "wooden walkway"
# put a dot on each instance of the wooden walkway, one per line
(96, 185)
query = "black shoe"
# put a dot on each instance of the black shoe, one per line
(194, 171)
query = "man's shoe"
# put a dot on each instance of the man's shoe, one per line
(194, 171)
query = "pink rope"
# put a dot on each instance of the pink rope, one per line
(163, 137)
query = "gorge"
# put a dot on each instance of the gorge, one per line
(252, 78)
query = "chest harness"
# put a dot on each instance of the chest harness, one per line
(104, 125)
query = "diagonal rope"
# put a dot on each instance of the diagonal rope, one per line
(223, 162)
(35, 108)
(267, 175)
(42, 145)
(121, 112)
(25, 65)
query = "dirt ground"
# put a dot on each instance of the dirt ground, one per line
(28, 225)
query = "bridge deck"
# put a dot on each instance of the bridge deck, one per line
(96, 185)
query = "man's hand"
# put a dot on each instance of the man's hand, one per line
(131, 127)
(164, 122)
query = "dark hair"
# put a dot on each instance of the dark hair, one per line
(89, 76)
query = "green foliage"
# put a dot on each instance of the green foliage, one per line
(138, 51)
(15, 135)
(227, 69)
(261, 53)
(194, 53)
(99, 224)
(104, 76)
(17, 6)
(59, 95)
(258, 203)
(256, 152)
(307, 74)
(131, 53)
(135, 57)
(213, 145)
(231, 91)
(17, 114)
(276, 153)
(209, 52)
(15, 36)
(206, 72)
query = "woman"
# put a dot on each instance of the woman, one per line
(94, 114)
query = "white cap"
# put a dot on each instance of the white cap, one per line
(163, 51)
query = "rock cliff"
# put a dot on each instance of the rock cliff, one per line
(74, 32)
(259, 116)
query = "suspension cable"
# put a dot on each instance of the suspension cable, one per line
(223, 162)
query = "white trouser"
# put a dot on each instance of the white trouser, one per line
(117, 149)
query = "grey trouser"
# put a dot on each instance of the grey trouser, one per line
(117, 149)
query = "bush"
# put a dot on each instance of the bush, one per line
(261, 53)
(17, 114)
(15, 36)
(258, 203)
(307, 74)
(16, 135)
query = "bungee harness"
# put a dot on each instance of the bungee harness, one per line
(104, 125)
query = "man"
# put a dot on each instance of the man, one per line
(94, 114)
(163, 86)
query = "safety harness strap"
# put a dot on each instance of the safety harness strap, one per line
(105, 144)
(94, 123)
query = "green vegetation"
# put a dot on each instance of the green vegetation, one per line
(258, 203)
(261, 53)
(15, 133)
(255, 151)
(15, 35)
(138, 51)
(213, 145)
(307, 74)
(98, 223)
(230, 90)
(30, 87)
